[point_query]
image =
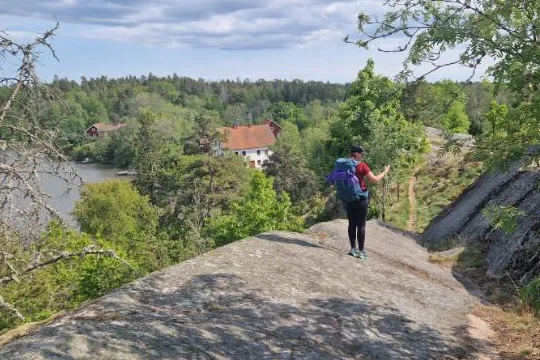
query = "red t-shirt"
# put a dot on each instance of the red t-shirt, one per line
(362, 169)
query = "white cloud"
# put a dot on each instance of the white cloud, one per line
(224, 24)
(21, 36)
(310, 29)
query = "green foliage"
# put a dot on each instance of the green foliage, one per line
(419, 102)
(259, 211)
(95, 149)
(502, 217)
(115, 211)
(500, 30)
(147, 153)
(194, 187)
(499, 126)
(83, 279)
(65, 284)
(114, 208)
(103, 99)
(318, 114)
(479, 98)
(205, 133)
(369, 115)
(456, 119)
(496, 118)
(70, 118)
(122, 146)
(238, 113)
(439, 184)
(287, 111)
(313, 145)
(530, 295)
(442, 103)
(288, 167)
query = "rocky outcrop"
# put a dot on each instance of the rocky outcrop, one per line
(277, 295)
(517, 253)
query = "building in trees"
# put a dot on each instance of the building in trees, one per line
(101, 129)
(250, 141)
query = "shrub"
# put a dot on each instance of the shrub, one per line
(530, 295)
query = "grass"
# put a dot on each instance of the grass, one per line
(461, 259)
(398, 215)
(517, 333)
(437, 186)
(530, 296)
(470, 258)
(444, 260)
(516, 324)
(438, 183)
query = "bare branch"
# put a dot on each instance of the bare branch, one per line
(8, 103)
(28, 148)
(10, 308)
(89, 250)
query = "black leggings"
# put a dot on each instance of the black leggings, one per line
(357, 215)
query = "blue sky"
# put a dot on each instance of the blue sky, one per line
(210, 39)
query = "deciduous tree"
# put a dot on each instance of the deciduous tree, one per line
(260, 210)
(506, 32)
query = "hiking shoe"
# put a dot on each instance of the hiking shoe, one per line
(353, 252)
(362, 255)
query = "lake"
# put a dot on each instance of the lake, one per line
(64, 202)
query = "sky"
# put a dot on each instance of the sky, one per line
(209, 39)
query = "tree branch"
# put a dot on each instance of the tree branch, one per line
(10, 308)
(89, 250)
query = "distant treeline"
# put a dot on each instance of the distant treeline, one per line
(212, 95)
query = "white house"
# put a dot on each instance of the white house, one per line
(251, 141)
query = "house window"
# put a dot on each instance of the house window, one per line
(258, 152)
(244, 153)
(258, 162)
(236, 152)
(266, 152)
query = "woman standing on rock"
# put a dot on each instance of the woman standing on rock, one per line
(349, 177)
(357, 210)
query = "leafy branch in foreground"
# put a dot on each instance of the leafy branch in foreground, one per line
(89, 250)
(504, 32)
(15, 274)
(504, 218)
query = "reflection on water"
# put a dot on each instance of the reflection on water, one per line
(64, 201)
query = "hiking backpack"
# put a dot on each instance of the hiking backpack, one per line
(344, 178)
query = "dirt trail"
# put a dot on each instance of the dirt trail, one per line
(411, 223)
(277, 295)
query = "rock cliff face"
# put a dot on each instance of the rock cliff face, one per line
(516, 254)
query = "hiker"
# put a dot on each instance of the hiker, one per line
(349, 177)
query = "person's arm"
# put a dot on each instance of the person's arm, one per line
(376, 178)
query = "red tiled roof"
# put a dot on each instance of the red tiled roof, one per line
(248, 137)
(101, 127)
